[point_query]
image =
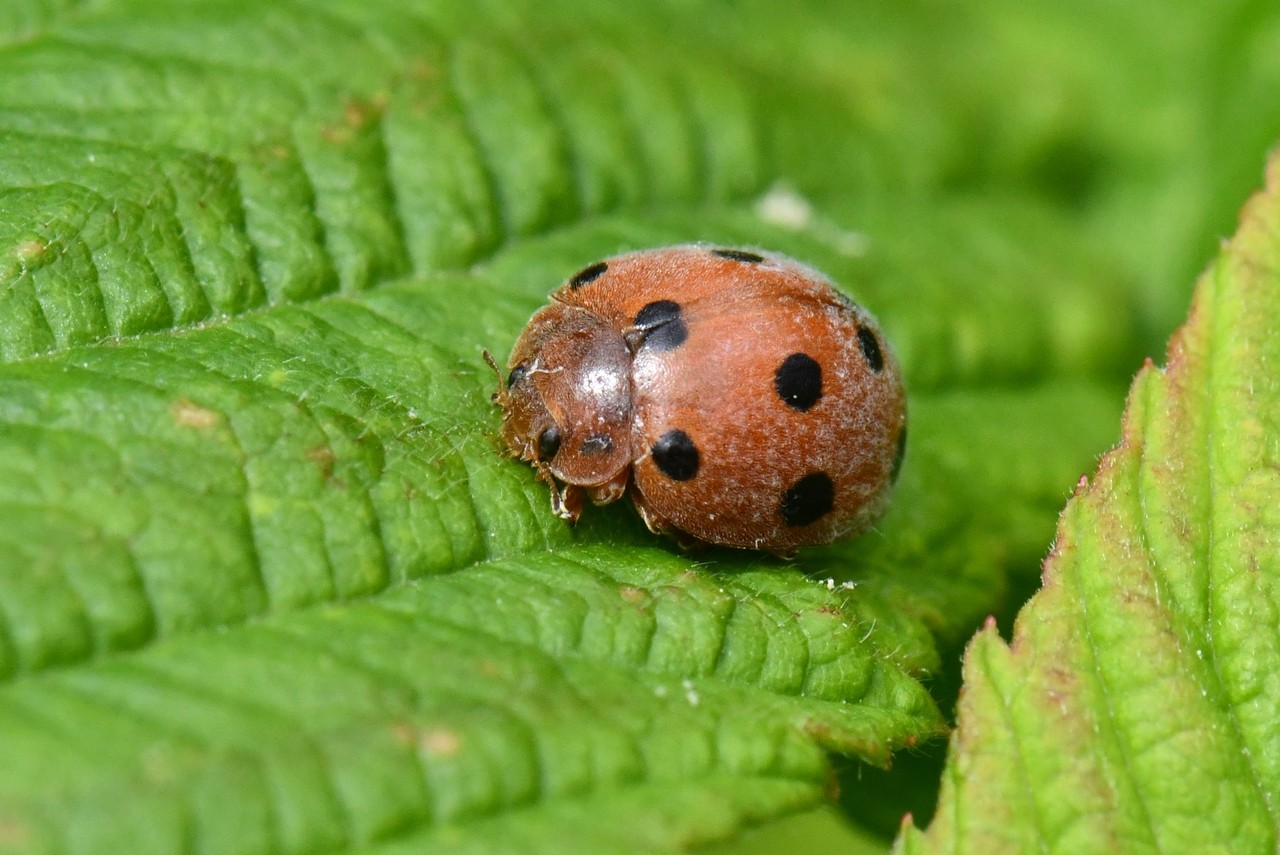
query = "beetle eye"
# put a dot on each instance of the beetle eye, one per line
(517, 374)
(548, 443)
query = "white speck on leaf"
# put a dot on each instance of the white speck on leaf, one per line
(690, 693)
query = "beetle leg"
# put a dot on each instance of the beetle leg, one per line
(612, 490)
(567, 500)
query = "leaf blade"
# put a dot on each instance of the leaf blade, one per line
(285, 210)
(445, 705)
(1141, 675)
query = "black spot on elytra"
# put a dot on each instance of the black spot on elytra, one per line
(659, 325)
(548, 443)
(588, 274)
(899, 453)
(808, 500)
(517, 375)
(798, 381)
(739, 255)
(676, 455)
(597, 444)
(870, 349)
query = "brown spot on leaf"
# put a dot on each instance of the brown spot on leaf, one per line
(440, 742)
(30, 252)
(357, 115)
(422, 71)
(323, 457)
(818, 730)
(634, 595)
(14, 834)
(187, 413)
(831, 786)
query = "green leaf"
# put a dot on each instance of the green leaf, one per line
(267, 582)
(1135, 708)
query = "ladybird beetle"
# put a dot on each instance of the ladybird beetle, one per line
(735, 394)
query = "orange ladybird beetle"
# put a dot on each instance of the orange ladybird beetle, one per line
(737, 396)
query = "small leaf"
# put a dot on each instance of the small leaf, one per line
(1135, 709)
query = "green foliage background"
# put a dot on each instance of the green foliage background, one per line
(267, 585)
